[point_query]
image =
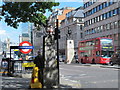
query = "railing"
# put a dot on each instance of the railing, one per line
(19, 67)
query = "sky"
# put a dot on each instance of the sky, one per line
(13, 34)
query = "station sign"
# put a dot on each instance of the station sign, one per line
(25, 47)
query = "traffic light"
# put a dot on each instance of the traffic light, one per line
(57, 34)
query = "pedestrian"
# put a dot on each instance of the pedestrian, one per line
(39, 61)
(4, 67)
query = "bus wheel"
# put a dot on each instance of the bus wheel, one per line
(93, 61)
(111, 64)
(82, 61)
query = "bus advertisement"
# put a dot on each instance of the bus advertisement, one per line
(97, 50)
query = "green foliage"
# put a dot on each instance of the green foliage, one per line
(33, 12)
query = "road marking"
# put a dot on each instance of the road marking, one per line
(71, 70)
(106, 81)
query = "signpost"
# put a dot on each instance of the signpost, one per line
(25, 47)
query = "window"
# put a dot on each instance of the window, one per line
(104, 27)
(93, 20)
(115, 12)
(105, 15)
(90, 22)
(119, 24)
(111, 25)
(95, 30)
(104, 5)
(98, 8)
(101, 28)
(107, 4)
(101, 17)
(108, 26)
(98, 30)
(115, 24)
(110, 2)
(101, 6)
(110, 13)
(96, 19)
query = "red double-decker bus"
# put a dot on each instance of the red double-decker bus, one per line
(97, 50)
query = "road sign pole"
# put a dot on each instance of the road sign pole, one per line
(57, 52)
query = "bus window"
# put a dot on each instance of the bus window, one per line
(97, 53)
(82, 54)
(107, 53)
(96, 42)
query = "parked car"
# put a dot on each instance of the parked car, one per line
(115, 59)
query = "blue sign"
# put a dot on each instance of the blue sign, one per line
(25, 47)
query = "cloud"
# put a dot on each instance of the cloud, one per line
(2, 32)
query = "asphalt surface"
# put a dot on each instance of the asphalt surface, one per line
(73, 76)
(89, 76)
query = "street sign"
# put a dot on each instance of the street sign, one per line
(25, 47)
(30, 64)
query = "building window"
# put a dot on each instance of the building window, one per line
(104, 5)
(110, 13)
(115, 24)
(110, 2)
(98, 29)
(101, 18)
(119, 24)
(95, 30)
(111, 25)
(101, 6)
(101, 28)
(104, 27)
(98, 18)
(115, 12)
(108, 26)
(98, 8)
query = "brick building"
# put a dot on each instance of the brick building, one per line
(59, 14)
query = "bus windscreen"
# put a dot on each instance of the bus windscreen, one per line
(106, 44)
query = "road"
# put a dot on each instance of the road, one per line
(73, 76)
(89, 76)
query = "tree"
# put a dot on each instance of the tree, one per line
(33, 12)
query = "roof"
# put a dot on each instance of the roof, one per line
(79, 13)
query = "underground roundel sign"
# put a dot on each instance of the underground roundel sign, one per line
(26, 45)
